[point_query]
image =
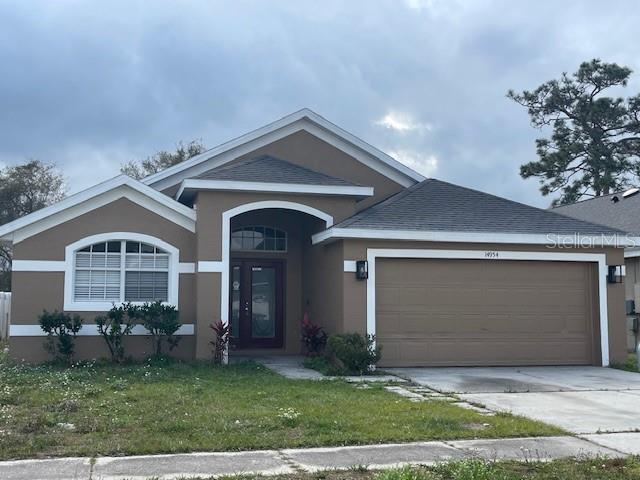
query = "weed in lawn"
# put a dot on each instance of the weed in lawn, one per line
(167, 406)
(406, 473)
(631, 365)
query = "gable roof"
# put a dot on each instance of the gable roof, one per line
(268, 169)
(99, 195)
(269, 174)
(623, 215)
(304, 119)
(440, 211)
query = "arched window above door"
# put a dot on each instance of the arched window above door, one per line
(258, 238)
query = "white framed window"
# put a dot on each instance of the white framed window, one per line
(107, 269)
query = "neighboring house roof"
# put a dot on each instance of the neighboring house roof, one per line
(623, 214)
(437, 210)
(269, 174)
(304, 119)
(268, 169)
(97, 196)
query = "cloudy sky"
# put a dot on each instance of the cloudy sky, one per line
(90, 85)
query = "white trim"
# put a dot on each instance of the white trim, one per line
(474, 237)
(226, 238)
(304, 119)
(69, 254)
(599, 258)
(232, 185)
(187, 267)
(38, 266)
(349, 265)
(210, 266)
(88, 330)
(95, 197)
(632, 253)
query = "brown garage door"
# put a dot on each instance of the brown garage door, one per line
(479, 312)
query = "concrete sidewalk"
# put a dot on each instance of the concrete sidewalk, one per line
(269, 462)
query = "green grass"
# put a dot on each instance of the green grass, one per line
(104, 409)
(631, 365)
(571, 469)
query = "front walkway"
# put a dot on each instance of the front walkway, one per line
(290, 366)
(269, 462)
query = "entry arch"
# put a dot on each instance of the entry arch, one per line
(226, 238)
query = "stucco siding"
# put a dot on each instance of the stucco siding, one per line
(35, 291)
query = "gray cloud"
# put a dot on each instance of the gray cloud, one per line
(90, 85)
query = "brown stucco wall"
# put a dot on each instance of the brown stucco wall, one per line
(31, 349)
(354, 318)
(305, 149)
(33, 292)
(323, 285)
(210, 207)
(122, 215)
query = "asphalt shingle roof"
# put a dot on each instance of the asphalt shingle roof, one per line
(434, 205)
(268, 169)
(623, 215)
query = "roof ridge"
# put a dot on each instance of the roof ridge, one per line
(433, 203)
(599, 197)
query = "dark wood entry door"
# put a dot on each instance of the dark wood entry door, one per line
(256, 305)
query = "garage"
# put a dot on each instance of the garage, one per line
(467, 312)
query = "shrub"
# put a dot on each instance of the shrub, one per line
(313, 336)
(221, 343)
(162, 322)
(324, 365)
(115, 325)
(354, 352)
(61, 329)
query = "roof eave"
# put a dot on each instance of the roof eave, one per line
(549, 239)
(9, 231)
(296, 188)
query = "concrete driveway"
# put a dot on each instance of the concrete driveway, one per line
(581, 400)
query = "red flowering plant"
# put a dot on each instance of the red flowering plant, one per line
(221, 343)
(313, 336)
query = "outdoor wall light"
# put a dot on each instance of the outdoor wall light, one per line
(362, 269)
(615, 273)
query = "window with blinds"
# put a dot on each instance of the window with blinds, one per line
(121, 271)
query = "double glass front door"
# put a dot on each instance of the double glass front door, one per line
(256, 304)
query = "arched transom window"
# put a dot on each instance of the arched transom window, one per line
(121, 271)
(258, 238)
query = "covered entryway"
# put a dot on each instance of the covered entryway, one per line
(269, 251)
(459, 312)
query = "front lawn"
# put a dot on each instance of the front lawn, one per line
(585, 469)
(102, 409)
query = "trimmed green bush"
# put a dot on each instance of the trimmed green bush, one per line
(353, 352)
(114, 326)
(61, 329)
(162, 322)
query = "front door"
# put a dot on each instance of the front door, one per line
(256, 303)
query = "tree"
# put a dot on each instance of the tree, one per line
(162, 159)
(24, 189)
(594, 147)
